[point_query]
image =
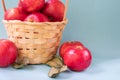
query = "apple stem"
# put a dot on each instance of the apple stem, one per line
(3, 4)
(65, 12)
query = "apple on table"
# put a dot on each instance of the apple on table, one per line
(8, 52)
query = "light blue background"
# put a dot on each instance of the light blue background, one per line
(96, 23)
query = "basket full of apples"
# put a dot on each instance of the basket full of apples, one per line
(36, 26)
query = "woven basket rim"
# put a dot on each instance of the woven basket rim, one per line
(33, 23)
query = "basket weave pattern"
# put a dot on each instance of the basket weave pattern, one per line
(36, 41)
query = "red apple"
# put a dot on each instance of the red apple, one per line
(36, 17)
(20, 6)
(15, 14)
(8, 53)
(53, 0)
(55, 9)
(77, 58)
(68, 44)
(32, 5)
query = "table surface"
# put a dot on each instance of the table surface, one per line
(99, 70)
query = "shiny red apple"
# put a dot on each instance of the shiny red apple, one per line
(54, 9)
(36, 17)
(68, 44)
(20, 6)
(77, 58)
(8, 53)
(32, 5)
(15, 14)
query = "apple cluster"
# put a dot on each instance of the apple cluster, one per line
(36, 11)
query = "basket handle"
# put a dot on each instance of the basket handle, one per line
(3, 5)
(65, 12)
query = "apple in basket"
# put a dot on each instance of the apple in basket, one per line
(15, 14)
(54, 9)
(36, 17)
(20, 6)
(32, 5)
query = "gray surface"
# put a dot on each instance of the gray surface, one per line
(96, 23)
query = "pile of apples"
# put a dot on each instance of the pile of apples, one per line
(75, 55)
(36, 11)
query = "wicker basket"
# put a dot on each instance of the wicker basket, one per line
(38, 42)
